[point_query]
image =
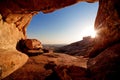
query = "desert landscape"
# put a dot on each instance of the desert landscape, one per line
(23, 58)
(47, 63)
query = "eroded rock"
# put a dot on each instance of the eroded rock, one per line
(67, 72)
(34, 68)
(106, 65)
(31, 47)
(9, 35)
(107, 25)
(10, 60)
(32, 6)
(15, 15)
(33, 44)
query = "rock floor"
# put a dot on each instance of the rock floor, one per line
(34, 68)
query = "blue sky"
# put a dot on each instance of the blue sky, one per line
(65, 25)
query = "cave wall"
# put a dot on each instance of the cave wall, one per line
(108, 22)
(30, 6)
(15, 16)
(13, 29)
(107, 25)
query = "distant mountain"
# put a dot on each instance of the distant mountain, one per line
(77, 48)
(53, 46)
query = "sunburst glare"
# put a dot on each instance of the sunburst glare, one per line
(88, 31)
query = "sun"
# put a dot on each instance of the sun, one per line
(89, 31)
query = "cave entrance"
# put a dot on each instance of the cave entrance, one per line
(64, 26)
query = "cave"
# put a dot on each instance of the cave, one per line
(64, 26)
(101, 63)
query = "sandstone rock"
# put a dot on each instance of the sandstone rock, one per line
(9, 35)
(34, 6)
(31, 47)
(65, 72)
(107, 25)
(106, 66)
(33, 44)
(21, 21)
(10, 61)
(34, 52)
(34, 68)
(15, 16)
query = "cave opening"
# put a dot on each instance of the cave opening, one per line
(64, 26)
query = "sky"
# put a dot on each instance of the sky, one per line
(64, 26)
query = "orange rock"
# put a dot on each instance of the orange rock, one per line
(33, 44)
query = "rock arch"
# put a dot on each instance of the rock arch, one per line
(15, 15)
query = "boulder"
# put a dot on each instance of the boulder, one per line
(11, 60)
(32, 44)
(30, 47)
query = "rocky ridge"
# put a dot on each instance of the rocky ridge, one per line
(78, 48)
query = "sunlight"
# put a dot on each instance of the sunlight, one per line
(89, 31)
(59, 27)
